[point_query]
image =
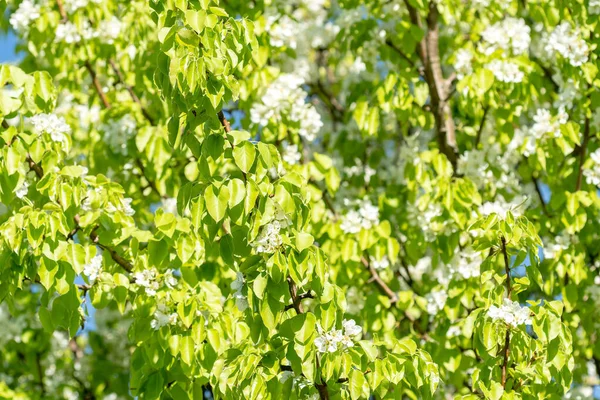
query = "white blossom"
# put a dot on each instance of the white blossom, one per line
(463, 63)
(169, 279)
(22, 190)
(436, 300)
(109, 30)
(466, 264)
(162, 317)
(93, 268)
(118, 132)
(511, 313)
(124, 206)
(505, 71)
(592, 174)
(51, 124)
(381, 263)
(510, 35)
(169, 205)
(594, 7)
(290, 155)
(330, 342)
(567, 42)
(148, 280)
(285, 98)
(24, 16)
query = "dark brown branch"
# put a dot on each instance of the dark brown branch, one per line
(151, 183)
(224, 121)
(506, 353)
(391, 44)
(582, 154)
(307, 295)
(62, 12)
(132, 94)
(506, 267)
(380, 283)
(539, 193)
(481, 125)
(74, 230)
(97, 85)
(126, 265)
(38, 365)
(33, 166)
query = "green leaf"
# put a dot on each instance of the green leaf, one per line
(244, 155)
(216, 201)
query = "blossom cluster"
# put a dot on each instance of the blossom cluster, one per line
(269, 239)
(511, 313)
(117, 133)
(124, 206)
(107, 31)
(163, 317)
(510, 35)
(24, 16)
(285, 99)
(149, 280)
(568, 43)
(366, 217)
(93, 269)
(436, 300)
(592, 172)
(51, 124)
(505, 71)
(330, 342)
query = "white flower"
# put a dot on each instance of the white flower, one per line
(22, 190)
(118, 132)
(501, 207)
(351, 222)
(543, 124)
(510, 313)
(93, 269)
(351, 328)
(510, 35)
(124, 206)
(453, 331)
(383, 263)
(169, 280)
(55, 126)
(506, 71)
(109, 30)
(462, 63)
(162, 317)
(67, 32)
(285, 98)
(147, 279)
(594, 7)
(24, 16)
(169, 205)
(269, 239)
(592, 174)
(566, 41)
(290, 155)
(467, 264)
(436, 300)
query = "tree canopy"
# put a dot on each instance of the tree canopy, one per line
(300, 199)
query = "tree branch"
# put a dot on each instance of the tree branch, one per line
(582, 154)
(96, 84)
(506, 267)
(380, 283)
(126, 265)
(224, 121)
(132, 94)
(481, 125)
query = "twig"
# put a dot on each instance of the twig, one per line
(582, 154)
(39, 171)
(132, 94)
(481, 125)
(508, 292)
(224, 121)
(126, 265)
(400, 52)
(38, 364)
(539, 193)
(96, 84)
(506, 267)
(380, 283)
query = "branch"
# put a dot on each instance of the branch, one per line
(582, 154)
(429, 53)
(506, 267)
(400, 53)
(126, 265)
(61, 11)
(224, 121)
(38, 365)
(134, 97)
(539, 193)
(377, 279)
(307, 295)
(33, 166)
(481, 125)
(97, 85)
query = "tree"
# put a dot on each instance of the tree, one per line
(295, 199)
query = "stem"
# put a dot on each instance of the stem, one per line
(38, 364)
(224, 121)
(506, 352)
(126, 265)
(506, 268)
(481, 125)
(380, 283)
(586, 139)
(539, 193)
(97, 85)
(134, 97)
